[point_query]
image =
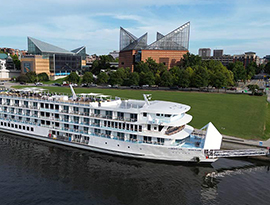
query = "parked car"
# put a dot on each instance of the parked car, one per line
(57, 84)
(115, 86)
(135, 87)
(145, 86)
(38, 83)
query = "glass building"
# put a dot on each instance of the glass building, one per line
(178, 39)
(61, 61)
(167, 49)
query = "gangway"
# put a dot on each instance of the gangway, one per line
(235, 153)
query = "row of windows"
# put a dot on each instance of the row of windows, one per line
(16, 126)
(158, 114)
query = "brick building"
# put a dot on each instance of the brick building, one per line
(168, 49)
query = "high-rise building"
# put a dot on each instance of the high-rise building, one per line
(204, 52)
(217, 53)
(167, 49)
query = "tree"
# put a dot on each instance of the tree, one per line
(238, 70)
(73, 77)
(141, 67)
(31, 77)
(16, 62)
(133, 79)
(259, 69)
(166, 79)
(103, 63)
(175, 72)
(22, 78)
(219, 80)
(267, 68)
(251, 70)
(200, 77)
(102, 78)
(253, 88)
(147, 78)
(184, 79)
(190, 60)
(87, 77)
(43, 77)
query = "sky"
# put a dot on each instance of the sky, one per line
(236, 26)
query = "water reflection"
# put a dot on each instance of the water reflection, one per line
(44, 172)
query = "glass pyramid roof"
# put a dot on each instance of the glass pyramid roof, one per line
(39, 47)
(178, 39)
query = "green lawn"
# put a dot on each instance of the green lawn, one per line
(233, 114)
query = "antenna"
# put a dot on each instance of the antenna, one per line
(74, 96)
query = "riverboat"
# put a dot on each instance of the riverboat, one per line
(145, 129)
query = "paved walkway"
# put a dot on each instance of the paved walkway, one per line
(236, 140)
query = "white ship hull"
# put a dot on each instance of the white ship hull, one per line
(120, 148)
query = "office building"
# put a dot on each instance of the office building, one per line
(204, 52)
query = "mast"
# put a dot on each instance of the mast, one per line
(74, 96)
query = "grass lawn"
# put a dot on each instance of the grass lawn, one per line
(233, 114)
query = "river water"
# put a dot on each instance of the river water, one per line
(34, 172)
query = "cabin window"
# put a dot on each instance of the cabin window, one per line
(23, 127)
(133, 117)
(20, 127)
(160, 141)
(51, 106)
(147, 139)
(157, 114)
(160, 127)
(108, 133)
(1, 123)
(32, 129)
(149, 127)
(57, 107)
(47, 106)
(167, 115)
(16, 126)
(120, 115)
(121, 136)
(133, 137)
(97, 112)
(27, 128)
(145, 114)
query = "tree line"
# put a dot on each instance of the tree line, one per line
(191, 72)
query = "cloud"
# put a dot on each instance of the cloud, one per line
(70, 23)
